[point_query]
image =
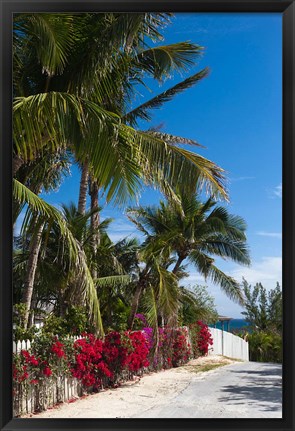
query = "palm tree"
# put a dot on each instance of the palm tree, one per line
(196, 232)
(118, 267)
(44, 174)
(70, 108)
(54, 91)
(57, 280)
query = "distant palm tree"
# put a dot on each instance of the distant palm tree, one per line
(196, 232)
(118, 267)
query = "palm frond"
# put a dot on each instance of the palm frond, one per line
(166, 292)
(185, 171)
(172, 139)
(226, 247)
(76, 256)
(85, 286)
(162, 60)
(228, 284)
(200, 303)
(235, 225)
(49, 35)
(156, 102)
(150, 308)
(113, 281)
(37, 206)
(53, 120)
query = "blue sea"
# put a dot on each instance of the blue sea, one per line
(234, 325)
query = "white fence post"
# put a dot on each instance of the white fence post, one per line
(18, 346)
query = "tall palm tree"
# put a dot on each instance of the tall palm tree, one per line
(56, 279)
(70, 107)
(44, 174)
(69, 102)
(195, 232)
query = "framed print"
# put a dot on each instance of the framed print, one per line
(147, 215)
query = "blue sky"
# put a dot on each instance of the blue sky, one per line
(236, 114)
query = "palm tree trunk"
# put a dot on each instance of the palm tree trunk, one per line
(95, 220)
(135, 300)
(134, 305)
(32, 313)
(178, 264)
(34, 251)
(17, 162)
(83, 188)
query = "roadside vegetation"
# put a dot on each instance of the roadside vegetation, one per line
(264, 313)
(205, 368)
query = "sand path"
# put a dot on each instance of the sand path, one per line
(134, 397)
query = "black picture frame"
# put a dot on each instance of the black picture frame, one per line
(287, 8)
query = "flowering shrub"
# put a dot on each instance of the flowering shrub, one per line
(19, 369)
(89, 365)
(47, 371)
(139, 321)
(138, 356)
(181, 347)
(172, 348)
(29, 369)
(201, 338)
(29, 359)
(54, 355)
(205, 338)
(165, 353)
(96, 362)
(149, 336)
(115, 347)
(58, 349)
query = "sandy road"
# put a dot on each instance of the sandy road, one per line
(245, 390)
(237, 390)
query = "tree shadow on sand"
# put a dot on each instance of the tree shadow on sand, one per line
(262, 388)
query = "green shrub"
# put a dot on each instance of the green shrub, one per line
(19, 333)
(75, 322)
(265, 346)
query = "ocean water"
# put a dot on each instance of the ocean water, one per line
(238, 324)
(234, 325)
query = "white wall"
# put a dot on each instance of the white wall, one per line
(227, 344)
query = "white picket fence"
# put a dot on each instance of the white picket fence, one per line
(34, 398)
(21, 345)
(227, 344)
(18, 346)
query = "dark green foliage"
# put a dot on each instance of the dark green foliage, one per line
(197, 304)
(264, 312)
(265, 346)
(75, 322)
(275, 308)
(19, 333)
